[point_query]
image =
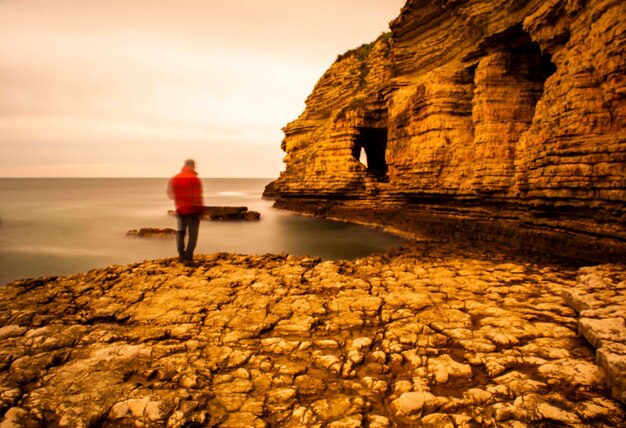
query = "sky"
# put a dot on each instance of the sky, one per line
(131, 88)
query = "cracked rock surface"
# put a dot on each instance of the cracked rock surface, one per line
(600, 298)
(432, 334)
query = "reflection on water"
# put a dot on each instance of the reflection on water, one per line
(62, 226)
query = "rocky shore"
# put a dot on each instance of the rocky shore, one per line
(434, 334)
(500, 122)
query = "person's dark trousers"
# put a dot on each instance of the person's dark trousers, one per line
(187, 223)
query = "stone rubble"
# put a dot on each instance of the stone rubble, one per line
(433, 334)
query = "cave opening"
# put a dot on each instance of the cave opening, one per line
(527, 61)
(530, 67)
(369, 148)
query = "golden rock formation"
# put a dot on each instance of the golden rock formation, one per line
(502, 120)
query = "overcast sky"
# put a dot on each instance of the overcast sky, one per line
(130, 88)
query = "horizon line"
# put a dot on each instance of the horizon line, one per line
(220, 178)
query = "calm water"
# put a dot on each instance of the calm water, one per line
(56, 226)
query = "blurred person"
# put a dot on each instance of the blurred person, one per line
(186, 190)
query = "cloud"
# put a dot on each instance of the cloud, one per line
(218, 78)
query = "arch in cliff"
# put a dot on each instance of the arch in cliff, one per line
(372, 142)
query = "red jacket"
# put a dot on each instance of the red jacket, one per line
(186, 190)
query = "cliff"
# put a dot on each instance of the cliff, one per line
(500, 120)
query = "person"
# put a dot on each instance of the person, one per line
(186, 190)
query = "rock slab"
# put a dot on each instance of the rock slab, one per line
(226, 213)
(152, 232)
(433, 334)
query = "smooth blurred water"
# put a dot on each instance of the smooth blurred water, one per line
(56, 226)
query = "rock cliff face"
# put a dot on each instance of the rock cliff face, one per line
(498, 119)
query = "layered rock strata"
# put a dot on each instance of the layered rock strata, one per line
(499, 120)
(435, 334)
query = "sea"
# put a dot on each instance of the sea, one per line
(59, 226)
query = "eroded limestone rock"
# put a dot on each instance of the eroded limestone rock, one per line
(501, 121)
(228, 343)
(600, 298)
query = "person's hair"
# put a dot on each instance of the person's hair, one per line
(191, 163)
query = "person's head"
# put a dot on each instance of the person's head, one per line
(190, 163)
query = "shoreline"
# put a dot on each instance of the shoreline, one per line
(526, 234)
(434, 332)
(406, 235)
